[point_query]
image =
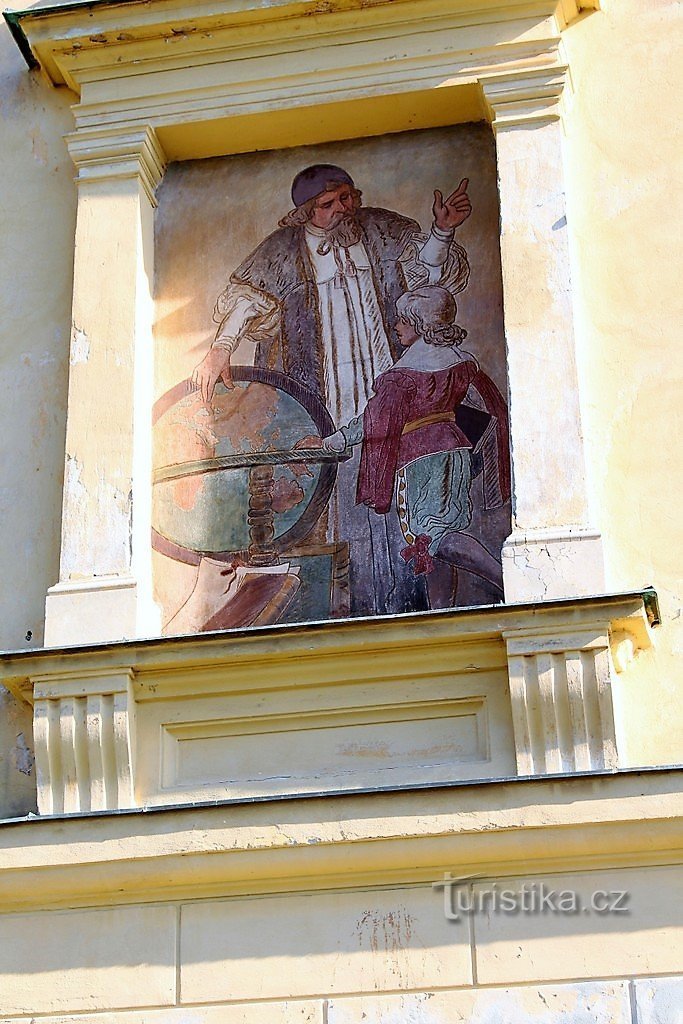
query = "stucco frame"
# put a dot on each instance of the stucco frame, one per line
(172, 80)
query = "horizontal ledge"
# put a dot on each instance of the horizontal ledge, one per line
(493, 620)
(97, 583)
(507, 828)
(139, 19)
(245, 801)
(163, 664)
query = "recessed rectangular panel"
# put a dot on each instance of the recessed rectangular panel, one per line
(330, 433)
(317, 751)
(297, 946)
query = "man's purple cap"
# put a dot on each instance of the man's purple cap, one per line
(312, 181)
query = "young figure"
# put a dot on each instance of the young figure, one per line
(414, 449)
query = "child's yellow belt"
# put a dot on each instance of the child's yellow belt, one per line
(425, 421)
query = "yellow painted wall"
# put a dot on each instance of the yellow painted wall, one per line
(625, 209)
(37, 210)
(86, 959)
(623, 195)
(38, 205)
(358, 956)
(323, 911)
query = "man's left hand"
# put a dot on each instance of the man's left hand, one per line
(452, 212)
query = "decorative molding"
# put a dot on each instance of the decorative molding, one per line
(525, 97)
(114, 154)
(73, 40)
(378, 743)
(83, 734)
(209, 79)
(496, 829)
(96, 584)
(368, 681)
(560, 691)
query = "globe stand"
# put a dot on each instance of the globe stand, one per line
(263, 548)
(266, 581)
(260, 517)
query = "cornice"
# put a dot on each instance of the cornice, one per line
(172, 663)
(524, 97)
(293, 683)
(45, 31)
(488, 830)
(221, 76)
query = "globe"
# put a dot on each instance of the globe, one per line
(205, 453)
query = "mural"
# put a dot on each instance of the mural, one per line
(341, 445)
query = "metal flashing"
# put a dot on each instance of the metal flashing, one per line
(13, 20)
(647, 595)
(246, 801)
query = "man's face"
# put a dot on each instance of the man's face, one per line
(331, 207)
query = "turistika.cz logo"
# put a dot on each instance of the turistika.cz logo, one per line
(463, 898)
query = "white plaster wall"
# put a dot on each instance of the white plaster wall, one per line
(625, 223)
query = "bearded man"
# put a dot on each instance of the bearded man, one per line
(317, 299)
(318, 296)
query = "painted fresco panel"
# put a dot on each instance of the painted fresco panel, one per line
(330, 426)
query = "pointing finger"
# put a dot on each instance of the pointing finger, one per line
(461, 190)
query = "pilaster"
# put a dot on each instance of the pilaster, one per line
(561, 702)
(554, 550)
(105, 589)
(563, 682)
(117, 154)
(83, 733)
(333, 707)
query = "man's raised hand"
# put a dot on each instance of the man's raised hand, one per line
(451, 212)
(215, 364)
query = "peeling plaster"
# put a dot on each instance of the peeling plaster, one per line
(21, 756)
(578, 1003)
(80, 346)
(75, 498)
(72, 480)
(107, 553)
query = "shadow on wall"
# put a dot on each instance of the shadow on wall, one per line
(17, 764)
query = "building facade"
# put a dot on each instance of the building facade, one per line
(251, 789)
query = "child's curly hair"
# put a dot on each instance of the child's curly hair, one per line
(432, 311)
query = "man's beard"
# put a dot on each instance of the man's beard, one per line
(346, 233)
